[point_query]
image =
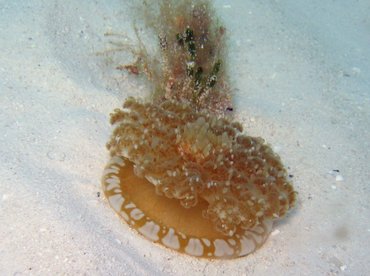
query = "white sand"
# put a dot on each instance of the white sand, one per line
(301, 74)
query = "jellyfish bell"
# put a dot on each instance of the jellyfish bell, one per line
(165, 221)
(193, 182)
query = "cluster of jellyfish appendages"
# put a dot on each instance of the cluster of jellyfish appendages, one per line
(192, 156)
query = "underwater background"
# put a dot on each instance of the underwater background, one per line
(300, 76)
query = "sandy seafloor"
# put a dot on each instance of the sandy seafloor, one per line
(301, 75)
